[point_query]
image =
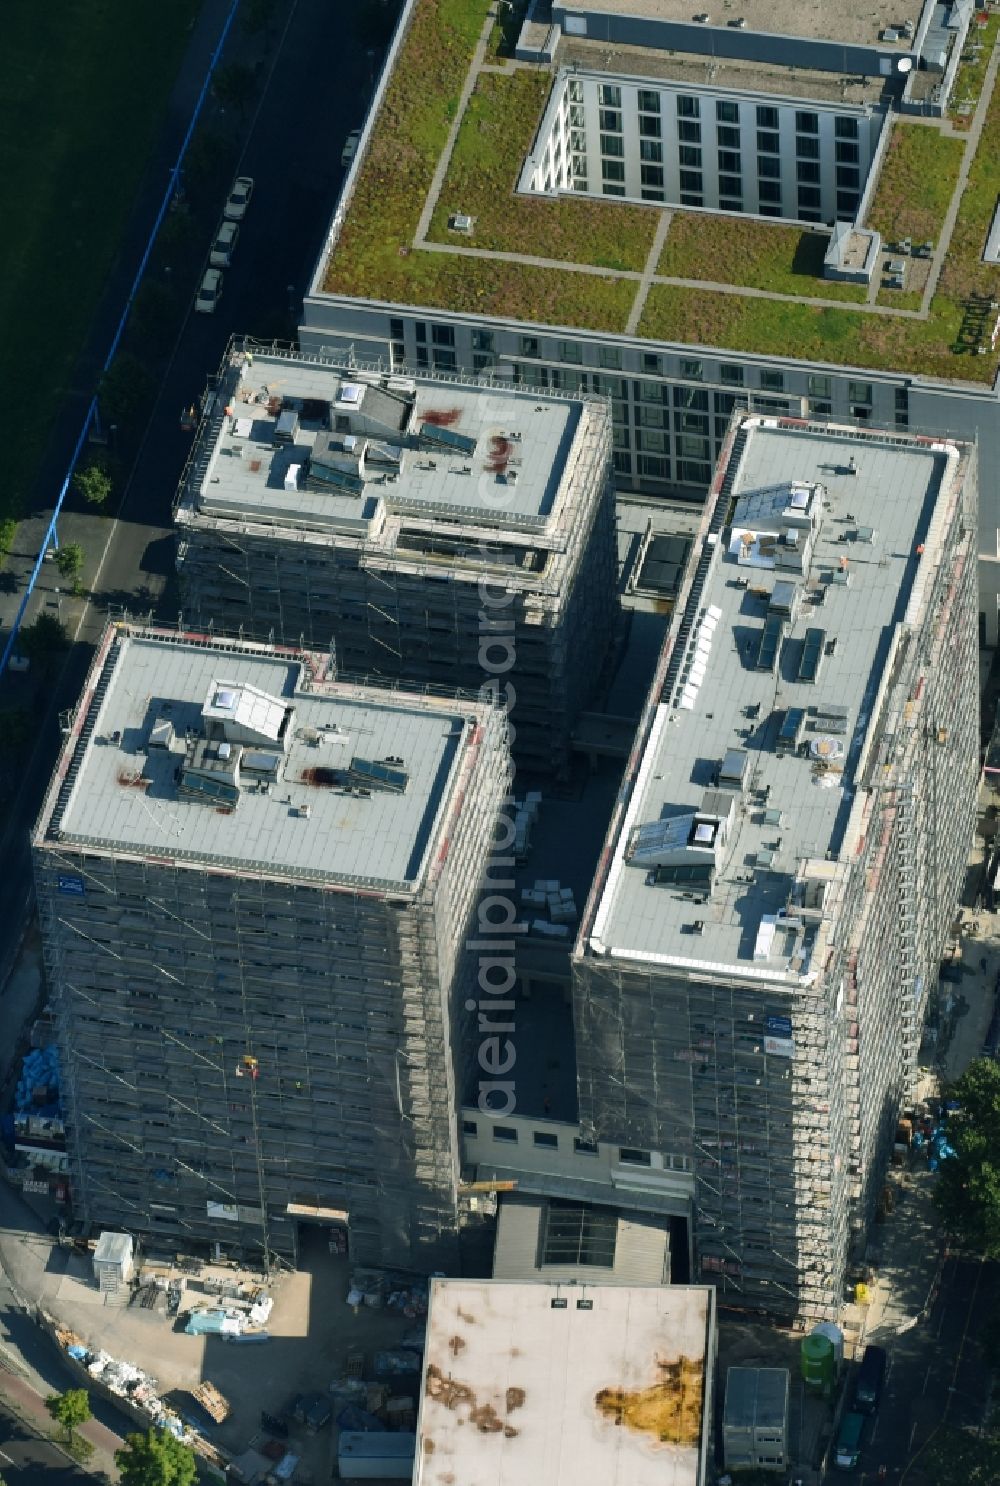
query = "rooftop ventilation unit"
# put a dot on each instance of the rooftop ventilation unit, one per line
(162, 733)
(784, 599)
(733, 769)
(286, 430)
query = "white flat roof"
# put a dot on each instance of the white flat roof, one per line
(518, 1393)
(874, 500)
(503, 457)
(858, 22)
(125, 796)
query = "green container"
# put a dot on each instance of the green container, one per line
(817, 1363)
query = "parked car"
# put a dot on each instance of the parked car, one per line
(238, 199)
(869, 1382)
(847, 1451)
(209, 293)
(226, 238)
(350, 149)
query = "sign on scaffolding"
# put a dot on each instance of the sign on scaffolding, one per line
(778, 1036)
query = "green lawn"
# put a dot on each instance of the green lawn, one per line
(496, 135)
(82, 88)
(916, 183)
(760, 255)
(841, 336)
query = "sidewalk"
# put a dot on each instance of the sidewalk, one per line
(30, 1365)
(22, 1400)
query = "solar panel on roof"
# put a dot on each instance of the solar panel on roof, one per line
(812, 654)
(790, 730)
(684, 874)
(433, 436)
(380, 776)
(770, 642)
(334, 479)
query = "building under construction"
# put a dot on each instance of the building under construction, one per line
(254, 885)
(764, 932)
(450, 532)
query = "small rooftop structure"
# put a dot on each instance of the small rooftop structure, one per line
(571, 1385)
(852, 255)
(113, 1261)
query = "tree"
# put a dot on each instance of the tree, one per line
(258, 16)
(155, 1459)
(93, 482)
(69, 561)
(126, 390)
(43, 639)
(154, 318)
(206, 166)
(234, 86)
(69, 1409)
(968, 1189)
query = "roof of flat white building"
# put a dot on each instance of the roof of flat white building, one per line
(590, 1385)
(764, 713)
(296, 442)
(857, 22)
(218, 755)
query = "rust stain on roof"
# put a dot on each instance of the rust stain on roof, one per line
(455, 1395)
(669, 1410)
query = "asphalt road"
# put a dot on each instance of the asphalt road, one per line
(315, 92)
(27, 1460)
(937, 1377)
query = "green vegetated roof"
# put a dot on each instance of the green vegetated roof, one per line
(752, 254)
(376, 256)
(916, 182)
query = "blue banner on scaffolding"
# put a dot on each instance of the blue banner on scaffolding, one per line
(72, 885)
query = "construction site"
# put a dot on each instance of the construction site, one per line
(444, 531)
(784, 862)
(255, 885)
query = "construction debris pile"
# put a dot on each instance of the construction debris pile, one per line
(125, 1381)
(376, 1287)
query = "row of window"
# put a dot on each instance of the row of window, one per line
(652, 364)
(548, 1140)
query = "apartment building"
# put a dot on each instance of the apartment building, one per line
(425, 530)
(755, 958)
(254, 886)
(686, 214)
